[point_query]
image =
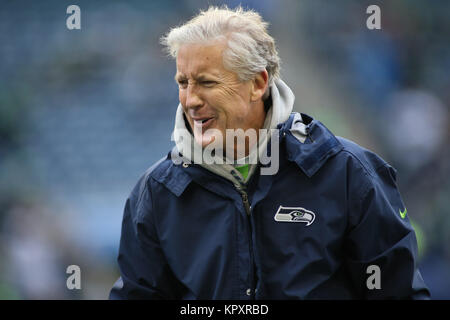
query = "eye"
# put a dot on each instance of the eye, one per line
(208, 83)
(183, 83)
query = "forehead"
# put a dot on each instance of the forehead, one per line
(199, 58)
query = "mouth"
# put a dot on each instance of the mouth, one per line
(203, 122)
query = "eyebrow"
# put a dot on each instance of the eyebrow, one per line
(202, 77)
(178, 77)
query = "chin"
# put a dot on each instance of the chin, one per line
(205, 140)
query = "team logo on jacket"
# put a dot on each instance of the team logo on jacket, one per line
(297, 214)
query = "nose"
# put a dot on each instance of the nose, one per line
(193, 99)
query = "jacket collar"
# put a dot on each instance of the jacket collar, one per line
(171, 175)
(176, 177)
(311, 154)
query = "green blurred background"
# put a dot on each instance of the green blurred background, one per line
(83, 113)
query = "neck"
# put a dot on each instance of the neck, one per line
(256, 125)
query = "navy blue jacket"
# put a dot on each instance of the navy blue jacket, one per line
(314, 228)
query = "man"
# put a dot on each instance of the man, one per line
(326, 222)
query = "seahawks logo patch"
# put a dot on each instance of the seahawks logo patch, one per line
(294, 214)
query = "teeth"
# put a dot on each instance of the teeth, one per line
(199, 122)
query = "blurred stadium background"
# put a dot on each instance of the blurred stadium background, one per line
(84, 113)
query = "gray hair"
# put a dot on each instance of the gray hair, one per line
(250, 49)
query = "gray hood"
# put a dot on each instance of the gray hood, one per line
(282, 106)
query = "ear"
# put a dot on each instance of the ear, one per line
(259, 85)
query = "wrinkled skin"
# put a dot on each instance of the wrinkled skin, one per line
(208, 91)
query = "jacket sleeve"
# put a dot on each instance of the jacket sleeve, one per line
(381, 246)
(144, 271)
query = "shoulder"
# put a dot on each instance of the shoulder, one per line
(312, 145)
(367, 172)
(155, 170)
(368, 160)
(140, 200)
(141, 189)
(166, 175)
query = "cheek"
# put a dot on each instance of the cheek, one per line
(235, 109)
(228, 100)
(181, 96)
(236, 96)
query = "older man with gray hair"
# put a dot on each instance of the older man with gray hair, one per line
(210, 221)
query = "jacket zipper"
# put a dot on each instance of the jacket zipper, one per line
(250, 232)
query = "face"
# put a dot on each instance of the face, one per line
(213, 97)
